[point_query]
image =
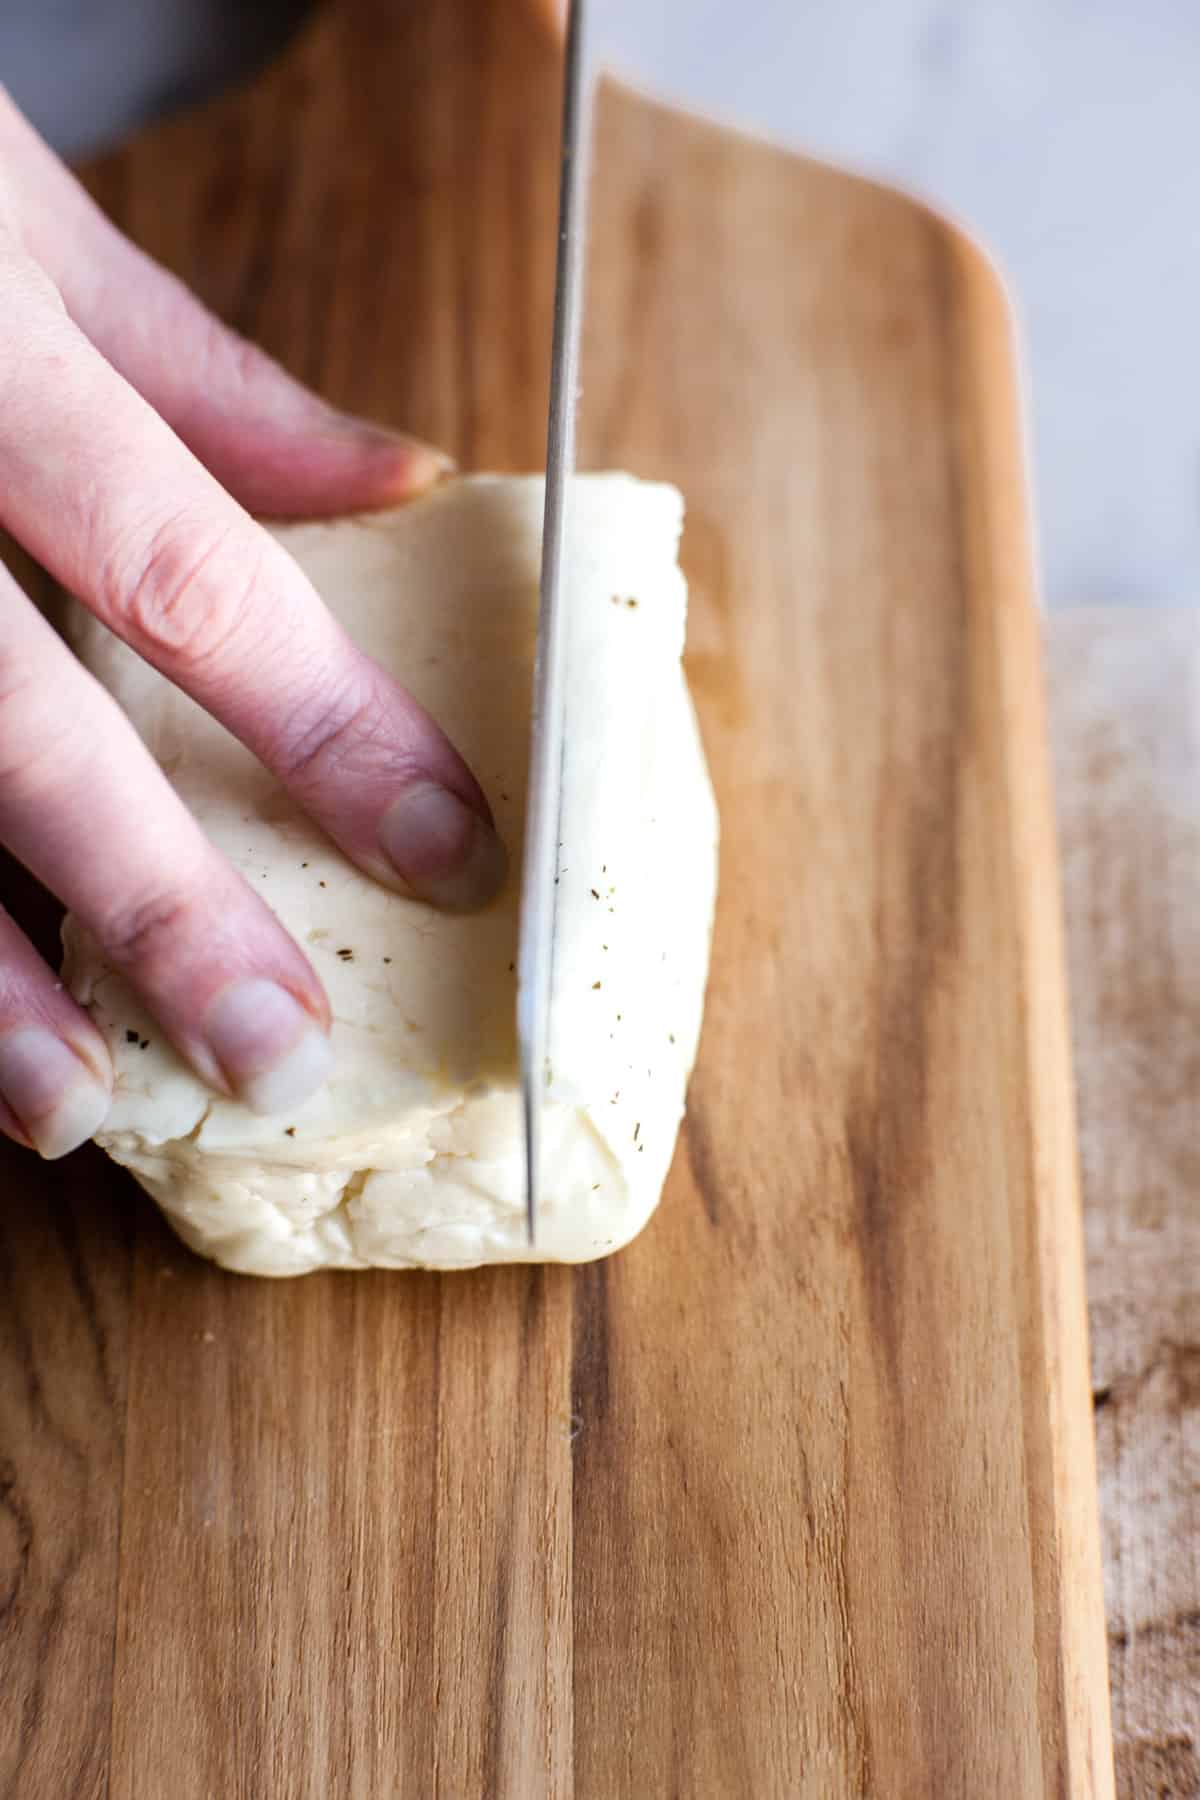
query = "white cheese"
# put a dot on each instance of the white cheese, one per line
(412, 1153)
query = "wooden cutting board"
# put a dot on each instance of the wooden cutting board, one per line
(797, 1495)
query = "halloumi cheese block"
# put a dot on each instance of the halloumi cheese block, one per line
(412, 1155)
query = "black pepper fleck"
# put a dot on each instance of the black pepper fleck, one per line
(131, 1037)
(290, 1131)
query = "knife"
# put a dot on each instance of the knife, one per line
(539, 874)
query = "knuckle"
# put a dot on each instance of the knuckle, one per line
(147, 929)
(186, 593)
(19, 687)
(344, 735)
(33, 303)
(38, 745)
(231, 361)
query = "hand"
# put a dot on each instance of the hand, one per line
(137, 435)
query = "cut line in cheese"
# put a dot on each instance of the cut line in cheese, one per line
(412, 1153)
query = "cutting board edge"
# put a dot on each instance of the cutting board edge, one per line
(994, 372)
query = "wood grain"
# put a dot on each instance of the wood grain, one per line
(1127, 742)
(796, 1496)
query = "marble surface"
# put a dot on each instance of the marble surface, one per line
(1126, 735)
(1065, 133)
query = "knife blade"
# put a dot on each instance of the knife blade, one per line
(535, 944)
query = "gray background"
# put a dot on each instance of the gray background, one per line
(1065, 133)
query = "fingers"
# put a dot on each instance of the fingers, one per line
(55, 1073)
(99, 489)
(85, 807)
(266, 438)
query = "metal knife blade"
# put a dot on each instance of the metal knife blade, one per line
(535, 953)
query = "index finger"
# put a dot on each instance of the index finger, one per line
(98, 487)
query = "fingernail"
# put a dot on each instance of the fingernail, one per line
(54, 1095)
(271, 1050)
(425, 464)
(445, 853)
(422, 464)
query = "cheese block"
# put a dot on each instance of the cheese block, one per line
(412, 1154)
